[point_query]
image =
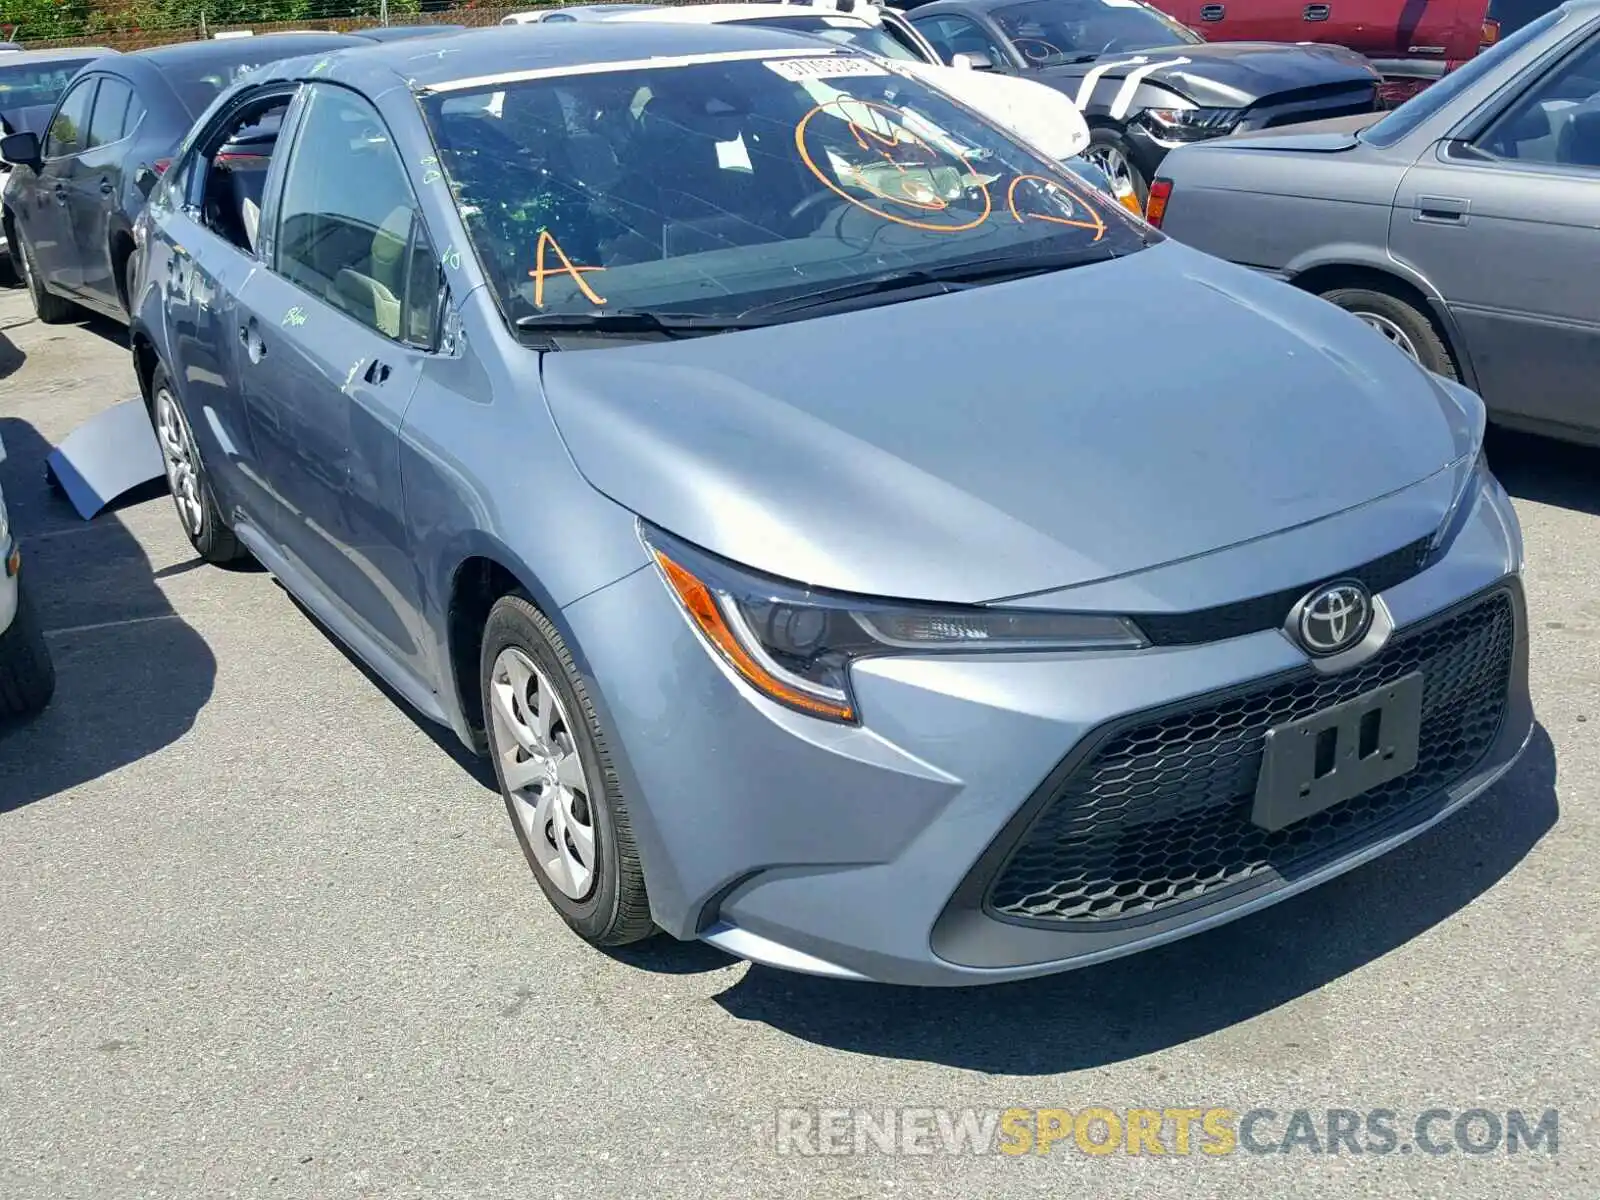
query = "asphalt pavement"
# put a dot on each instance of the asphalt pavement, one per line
(263, 933)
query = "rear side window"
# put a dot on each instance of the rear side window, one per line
(111, 107)
(348, 227)
(1427, 102)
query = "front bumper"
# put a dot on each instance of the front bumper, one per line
(869, 852)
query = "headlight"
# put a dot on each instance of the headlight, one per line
(1469, 475)
(795, 645)
(1190, 124)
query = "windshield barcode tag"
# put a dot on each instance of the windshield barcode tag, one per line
(798, 70)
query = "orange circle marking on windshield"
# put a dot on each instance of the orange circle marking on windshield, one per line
(1094, 223)
(540, 272)
(869, 139)
(1048, 49)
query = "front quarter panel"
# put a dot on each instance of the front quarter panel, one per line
(1280, 210)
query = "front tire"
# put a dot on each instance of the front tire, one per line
(47, 306)
(1402, 324)
(191, 490)
(27, 676)
(1109, 150)
(554, 767)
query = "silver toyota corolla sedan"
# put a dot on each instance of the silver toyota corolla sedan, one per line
(709, 424)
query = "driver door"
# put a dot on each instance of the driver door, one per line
(1503, 222)
(47, 216)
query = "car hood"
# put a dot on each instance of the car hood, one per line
(1008, 439)
(1311, 137)
(1218, 74)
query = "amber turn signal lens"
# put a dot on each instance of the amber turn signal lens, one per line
(1156, 207)
(703, 610)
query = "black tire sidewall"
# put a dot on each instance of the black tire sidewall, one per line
(1432, 352)
(215, 541)
(514, 622)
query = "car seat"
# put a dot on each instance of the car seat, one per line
(1579, 143)
(375, 296)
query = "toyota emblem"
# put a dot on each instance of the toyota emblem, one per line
(1334, 618)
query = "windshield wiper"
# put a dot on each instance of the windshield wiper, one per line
(952, 278)
(625, 320)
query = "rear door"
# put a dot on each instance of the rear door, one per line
(1505, 220)
(48, 216)
(331, 342)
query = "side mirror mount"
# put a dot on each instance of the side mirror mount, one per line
(21, 150)
(972, 60)
(145, 180)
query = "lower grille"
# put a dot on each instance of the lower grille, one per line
(1159, 815)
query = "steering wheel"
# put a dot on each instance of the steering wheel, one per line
(1036, 58)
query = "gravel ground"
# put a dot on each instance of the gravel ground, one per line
(267, 935)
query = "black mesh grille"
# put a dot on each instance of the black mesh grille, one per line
(1269, 612)
(1160, 814)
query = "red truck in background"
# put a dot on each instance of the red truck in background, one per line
(1413, 42)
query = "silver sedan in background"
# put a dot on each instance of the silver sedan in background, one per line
(1462, 226)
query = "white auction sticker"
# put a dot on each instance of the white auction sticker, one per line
(798, 70)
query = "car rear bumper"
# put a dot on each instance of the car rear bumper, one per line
(881, 852)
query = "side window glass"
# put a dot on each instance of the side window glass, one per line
(346, 219)
(68, 126)
(902, 35)
(957, 35)
(1557, 121)
(109, 122)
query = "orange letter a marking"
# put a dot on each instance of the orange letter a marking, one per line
(540, 272)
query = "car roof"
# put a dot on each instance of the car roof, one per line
(397, 33)
(55, 54)
(713, 14)
(259, 48)
(507, 49)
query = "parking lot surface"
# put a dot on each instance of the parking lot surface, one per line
(265, 934)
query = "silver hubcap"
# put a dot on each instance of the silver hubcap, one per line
(1114, 163)
(1395, 335)
(183, 465)
(542, 771)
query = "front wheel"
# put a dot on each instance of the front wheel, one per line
(560, 789)
(1401, 324)
(1109, 150)
(27, 676)
(47, 306)
(186, 477)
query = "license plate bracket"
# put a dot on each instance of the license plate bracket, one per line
(1339, 752)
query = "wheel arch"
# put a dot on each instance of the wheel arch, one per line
(1359, 268)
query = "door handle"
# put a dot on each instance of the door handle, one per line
(250, 339)
(1212, 12)
(1318, 12)
(1442, 210)
(105, 187)
(376, 372)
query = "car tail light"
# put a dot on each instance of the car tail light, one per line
(1156, 206)
(1491, 32)
(160, 165)
(239, 156)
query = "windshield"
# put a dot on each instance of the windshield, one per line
(1049, 33)
(842, 31)
(709, 188)
(1430, 100)
(36, 83)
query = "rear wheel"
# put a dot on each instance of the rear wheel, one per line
(1109, 150)
(27, 676)
(1400, 323)
(47, 306)
(191, 491)
(551, 758)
